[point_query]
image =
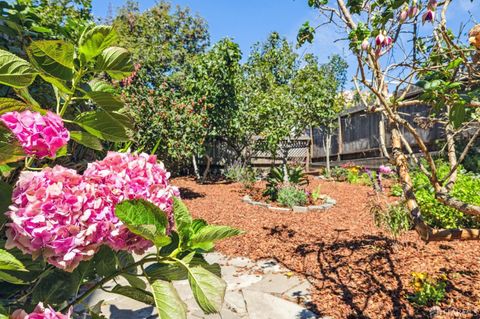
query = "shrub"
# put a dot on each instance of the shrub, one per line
(241, 173)
(396, 190)
(395, 218)
(428, 291)
(438, 215)
(339, 173)
(291, 196)
(276, 177)
(316, 194)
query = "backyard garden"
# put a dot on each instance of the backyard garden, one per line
(140, 162)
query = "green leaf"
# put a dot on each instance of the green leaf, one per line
(117, 62)
(14, 71)
(135, 281)
(108, 126)
(9, 262)
(10, 278)
(105, 261)
(5, 200)
(53, 58)
(106, 101)
(198, 224)
(212, 233)
(168, 302)
(94, 40)
(457, 115)
(10, 150)
(183, 219)
(208, 289)
(144, 219)
(134, 293)
(10, 105)
(101, 86)
(168, 272)
(56, 287)
(86, 139)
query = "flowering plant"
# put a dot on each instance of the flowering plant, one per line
(81, 230)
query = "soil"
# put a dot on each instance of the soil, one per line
(358, 270)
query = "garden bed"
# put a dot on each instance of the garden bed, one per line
(325, 203)
(358, 270)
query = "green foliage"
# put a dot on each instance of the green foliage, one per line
(316, 194)
(276, 178)
(438, 215)
(396, 190)
(395, 218)
(241, 173)
(291, 196)
(428, 291)
(339, 173)
(167, 122)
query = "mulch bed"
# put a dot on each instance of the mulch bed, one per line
(358, 270)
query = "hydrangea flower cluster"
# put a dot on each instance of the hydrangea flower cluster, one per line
(39, 136)
(66, 217)
(40, 312)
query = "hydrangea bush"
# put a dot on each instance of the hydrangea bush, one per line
(69, 233)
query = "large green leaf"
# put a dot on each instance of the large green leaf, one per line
(168, 302)
(106, 100)
(9, 262)
(14, 71)
(175, 271)
(211, 233)
(134, 293)
(101, 86)
(94, 40)
(10, 150)
(52, 57)
(86, 139)
(10, 105)
(109, 126)
(56, 287)
(208, 289)
(135, 281)
(144, 219)
(105, 261)
(5, 199)
(183, 219)
(117, 62)
(10, 278)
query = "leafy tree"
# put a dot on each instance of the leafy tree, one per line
(160, 39)
(270, 108)
(317, 89)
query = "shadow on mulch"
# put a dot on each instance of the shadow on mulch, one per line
(188, 193)
(358, 270)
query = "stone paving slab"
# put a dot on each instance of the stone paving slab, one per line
(255, 290)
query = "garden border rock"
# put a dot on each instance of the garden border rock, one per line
(329, 203)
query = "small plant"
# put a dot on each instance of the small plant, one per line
(241, 173)
(276, 177)
(316, 194)
(396, 190)
(394, 218)
(428, 290)
(339, 173)
(291, 196)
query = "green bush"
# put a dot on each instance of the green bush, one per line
(296, 176)
(339, 173)
(396, 190)
(395, 219)
(291, 196)
(438, 215)
(241, 173)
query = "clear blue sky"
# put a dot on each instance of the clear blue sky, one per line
(250, 21)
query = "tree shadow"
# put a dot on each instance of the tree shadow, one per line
(143, 313)
(187, 193)
(357, 271)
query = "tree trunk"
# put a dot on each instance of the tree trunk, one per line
(207, 168)
(285, 165)
(195, 168)
(452, 156)
(327, 147)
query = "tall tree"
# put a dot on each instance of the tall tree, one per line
(318, 90)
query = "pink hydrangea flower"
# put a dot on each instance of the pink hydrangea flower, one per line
(124, 176)
(66, 217)
(39, 135)
(40, 312)
(47, 218)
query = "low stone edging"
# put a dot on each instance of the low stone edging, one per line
(329, 203)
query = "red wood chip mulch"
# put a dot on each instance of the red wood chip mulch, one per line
(358, 270)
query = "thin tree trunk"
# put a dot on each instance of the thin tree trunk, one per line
(452, 156)
(207, 168)
(195, 168)
(327, 147)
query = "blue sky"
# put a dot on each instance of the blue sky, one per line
(250, 21)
